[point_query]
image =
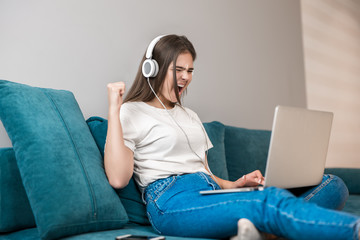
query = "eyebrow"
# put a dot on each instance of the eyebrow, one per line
(182, 68)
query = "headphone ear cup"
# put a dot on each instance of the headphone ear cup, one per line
(150, 68)
(146, 68)
(156, 68)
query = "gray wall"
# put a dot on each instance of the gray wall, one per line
(250, 54)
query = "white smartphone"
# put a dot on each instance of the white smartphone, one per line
(138, 237)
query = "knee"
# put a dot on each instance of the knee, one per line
(331, 193)
(338, 183)
(274, 195)
(338, 186)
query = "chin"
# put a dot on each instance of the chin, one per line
(173, 99)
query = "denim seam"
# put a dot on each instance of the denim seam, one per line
(270, 206)
(209, 206)
(207, 180)
(152, 223)
(319, 188)
(303, 221)
(164, 190)
(312, 222)
(161, 183)
(357, 230)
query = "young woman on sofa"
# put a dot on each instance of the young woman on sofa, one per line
(164, 144)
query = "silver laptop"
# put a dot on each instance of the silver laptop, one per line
(298, 148)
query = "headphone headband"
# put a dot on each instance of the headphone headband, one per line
(151, 46)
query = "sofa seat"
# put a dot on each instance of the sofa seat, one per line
(32, 234)
(353, 204)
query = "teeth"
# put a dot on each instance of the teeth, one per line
(181, 85)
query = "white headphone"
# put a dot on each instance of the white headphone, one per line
(150, 67)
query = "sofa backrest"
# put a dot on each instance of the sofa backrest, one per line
(246, 150)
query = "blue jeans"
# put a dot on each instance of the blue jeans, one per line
(176, 208)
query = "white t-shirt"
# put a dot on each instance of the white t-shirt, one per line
(160, 147)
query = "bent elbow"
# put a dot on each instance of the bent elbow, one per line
(118, 183)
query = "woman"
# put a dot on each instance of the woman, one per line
(164, 144)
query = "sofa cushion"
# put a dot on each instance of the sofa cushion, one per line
(130, 195)
(216, 155)
(13, 200)
(98, 128)
(60, 165)
(246, 150)
(352, 204)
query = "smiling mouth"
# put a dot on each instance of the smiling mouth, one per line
(181, 87)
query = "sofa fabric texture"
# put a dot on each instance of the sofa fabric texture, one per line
(60, 165)
(246, 150)
(216, 155)
(13, 199)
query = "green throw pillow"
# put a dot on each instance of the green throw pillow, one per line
(60, 165)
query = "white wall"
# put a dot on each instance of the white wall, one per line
(249, 52)
(332, 66)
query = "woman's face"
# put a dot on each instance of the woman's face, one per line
(184, 71)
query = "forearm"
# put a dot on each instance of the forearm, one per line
(224, 184)
(249, 180)
(118, 159)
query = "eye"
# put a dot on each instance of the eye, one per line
(179, 69)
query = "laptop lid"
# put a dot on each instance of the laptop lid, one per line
(298, 147)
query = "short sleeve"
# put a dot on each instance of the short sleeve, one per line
(209, 144)
(196, 117)
(130, 133)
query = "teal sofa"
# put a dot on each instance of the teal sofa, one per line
(52, 182)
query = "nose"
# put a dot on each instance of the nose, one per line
(185, 74)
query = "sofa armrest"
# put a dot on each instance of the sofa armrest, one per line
(351, 177)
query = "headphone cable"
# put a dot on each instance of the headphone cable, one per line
(187, 138)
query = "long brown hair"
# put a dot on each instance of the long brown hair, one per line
(165, 52)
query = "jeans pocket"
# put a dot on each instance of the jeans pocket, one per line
(162, 186)
(157, 189)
